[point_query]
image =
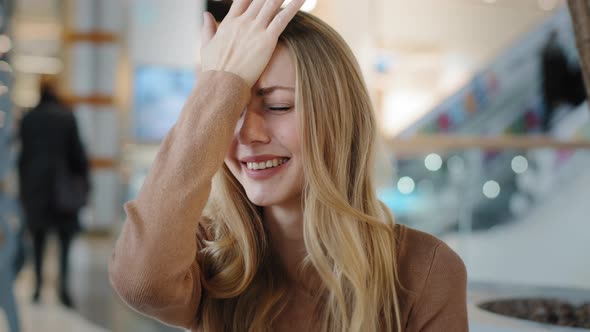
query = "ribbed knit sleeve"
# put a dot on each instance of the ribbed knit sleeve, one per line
(153, 267)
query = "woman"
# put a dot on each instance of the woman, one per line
(277, 141)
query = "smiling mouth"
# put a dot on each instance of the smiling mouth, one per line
(255, 166)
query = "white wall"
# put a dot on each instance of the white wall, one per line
(165, 32)
(470, 27)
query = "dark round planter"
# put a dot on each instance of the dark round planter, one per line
(543, 310)
(518, 308)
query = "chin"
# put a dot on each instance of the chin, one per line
(263, 200)
(266, 198)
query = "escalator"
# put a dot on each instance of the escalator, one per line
(439, 192)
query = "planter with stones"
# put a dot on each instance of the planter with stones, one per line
(511, 308)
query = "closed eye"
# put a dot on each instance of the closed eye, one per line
(281, 109)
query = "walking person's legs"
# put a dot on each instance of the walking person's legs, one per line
(39, 241)
(65, 240)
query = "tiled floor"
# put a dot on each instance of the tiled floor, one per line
(48, 315)
(97, 307)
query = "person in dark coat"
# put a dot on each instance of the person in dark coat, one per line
(563, 82)
(50, 140)
(554, 71)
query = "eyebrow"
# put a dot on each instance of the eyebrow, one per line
(271, 89)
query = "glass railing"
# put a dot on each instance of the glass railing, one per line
(514, 208)
(436, 191)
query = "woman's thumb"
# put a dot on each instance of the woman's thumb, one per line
(209, 28)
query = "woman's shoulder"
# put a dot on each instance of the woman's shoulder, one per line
(425, 261)
(420, 247)
(433, 282)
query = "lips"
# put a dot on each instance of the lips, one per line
(266, 164)
(265, 173)
(261, 158)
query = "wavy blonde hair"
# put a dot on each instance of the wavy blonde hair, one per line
(349, 234)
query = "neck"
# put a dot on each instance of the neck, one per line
(284, 224)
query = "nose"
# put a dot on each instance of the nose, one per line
(253, 128)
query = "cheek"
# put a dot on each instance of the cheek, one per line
(288, 134)
(291, 141)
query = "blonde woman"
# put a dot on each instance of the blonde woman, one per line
(259, 213)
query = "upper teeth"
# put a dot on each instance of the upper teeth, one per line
(267, 164)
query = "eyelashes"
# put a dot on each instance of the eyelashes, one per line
(279, 109)
(272, 109)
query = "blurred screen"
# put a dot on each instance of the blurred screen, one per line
(159, 95)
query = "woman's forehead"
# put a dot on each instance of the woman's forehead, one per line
(280, 71)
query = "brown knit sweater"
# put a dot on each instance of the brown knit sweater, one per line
(153, 267)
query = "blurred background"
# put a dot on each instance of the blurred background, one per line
(481, 106)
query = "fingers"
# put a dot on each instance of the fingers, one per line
(279, 23)
(254, 8)
(269, 11)
(209, 28)
(238, 7)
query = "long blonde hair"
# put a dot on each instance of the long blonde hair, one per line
(349, 234)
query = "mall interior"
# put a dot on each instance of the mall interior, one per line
(471, 150)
